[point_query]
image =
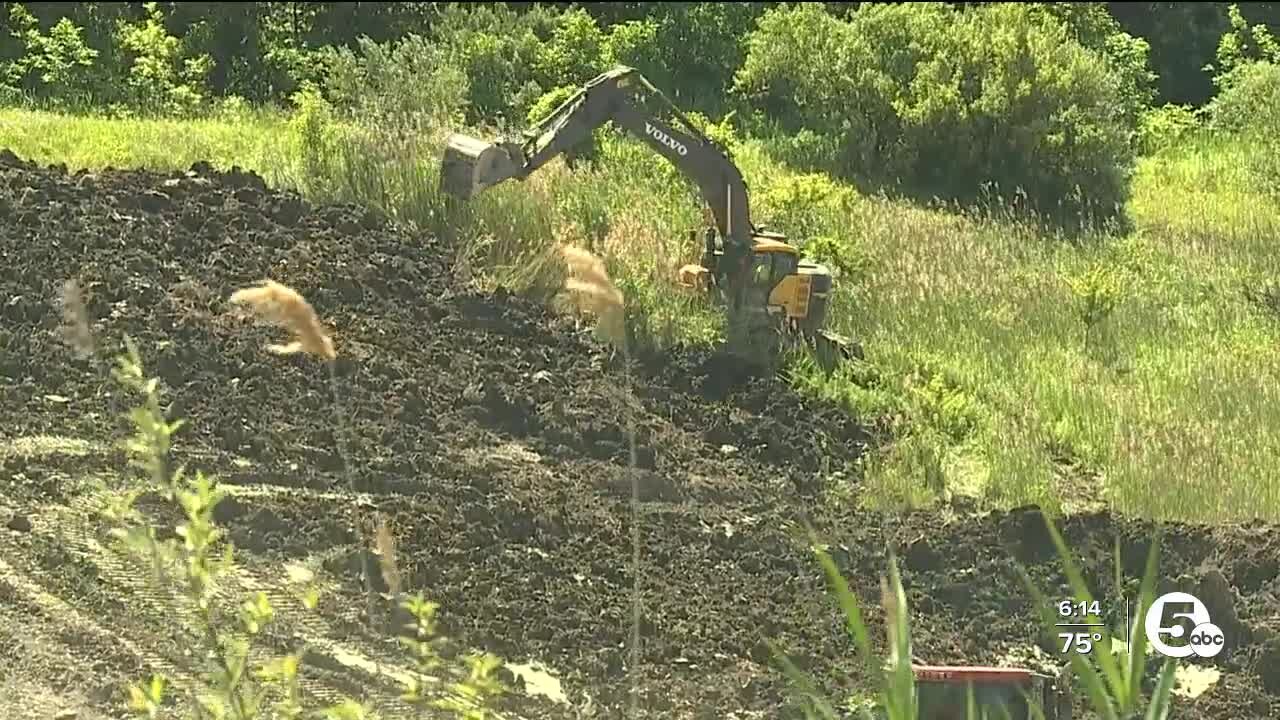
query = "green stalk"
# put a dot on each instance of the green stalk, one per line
(343, 427)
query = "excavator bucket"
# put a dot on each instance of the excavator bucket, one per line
(471, 165)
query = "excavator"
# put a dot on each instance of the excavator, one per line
(774, 299)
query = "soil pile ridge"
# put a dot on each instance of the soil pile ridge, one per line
(492, 433)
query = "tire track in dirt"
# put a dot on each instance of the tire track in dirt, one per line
(52, 616)
(332, 670)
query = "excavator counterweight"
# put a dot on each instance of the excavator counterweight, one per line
(773, 297)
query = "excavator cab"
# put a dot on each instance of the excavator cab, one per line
(773, 275)
(798, 289)
(771, 262)
(793, 292)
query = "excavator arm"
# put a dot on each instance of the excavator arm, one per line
(472, 166)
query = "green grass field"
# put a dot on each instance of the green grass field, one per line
(1012, 366)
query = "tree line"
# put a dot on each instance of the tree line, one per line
(253, 46)
(1043, 104)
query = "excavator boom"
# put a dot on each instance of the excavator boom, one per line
(471, 165)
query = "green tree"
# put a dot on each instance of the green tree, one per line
(1000, 102)
(56, 66)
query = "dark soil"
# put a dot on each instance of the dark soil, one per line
(493, 434)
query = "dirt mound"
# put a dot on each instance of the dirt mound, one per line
(494, 435)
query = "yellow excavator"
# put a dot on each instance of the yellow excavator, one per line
(774, 298)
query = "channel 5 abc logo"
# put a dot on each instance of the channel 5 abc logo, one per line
(1190, 623)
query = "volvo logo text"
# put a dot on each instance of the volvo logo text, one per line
(666, 139)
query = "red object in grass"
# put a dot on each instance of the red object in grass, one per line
(977, 674)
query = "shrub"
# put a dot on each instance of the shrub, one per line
(408, 84)
(1240, 47)
(575, 53)
(550, 100)
(58, 66)
(1246, 108)
(846, 259)
(722, 132)
(1248, 103)
(800, 205)
(163, 75)
(635, 43)
(936, 102)
(1093, 26)
(313, 135)
(287, 66)
(1159, 128)
(804, 148)
(1097, 291)
(499, 52)
(1247, 74)
(701, 45)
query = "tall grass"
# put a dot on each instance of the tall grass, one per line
(251, 139)
(1006, 363)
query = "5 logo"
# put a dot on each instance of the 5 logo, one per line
(1203, 638)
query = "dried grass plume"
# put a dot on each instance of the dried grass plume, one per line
(284, 307)
(386, 546)
(75, 328)
(593, 292)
